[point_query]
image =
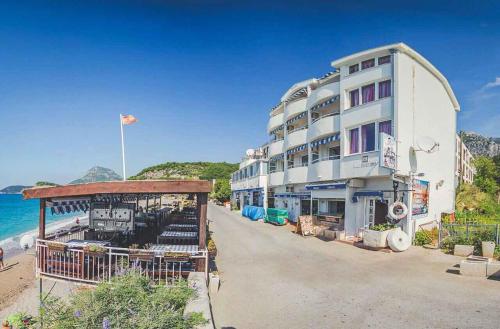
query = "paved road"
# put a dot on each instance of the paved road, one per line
(272, 278)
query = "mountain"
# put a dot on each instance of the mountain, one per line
(98, 174)
(479, 145)
(188, 170)
(13, 189)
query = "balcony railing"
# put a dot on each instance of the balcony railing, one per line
(297, 165)
(65, 261)
(272, 171)
(324, 116)
(330, 157)
(297, 129)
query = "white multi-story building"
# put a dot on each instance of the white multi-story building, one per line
(326, 136)
(465, 169)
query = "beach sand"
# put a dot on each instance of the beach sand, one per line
(18, 275)
(18, 287)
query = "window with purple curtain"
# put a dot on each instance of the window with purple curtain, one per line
(354, 141)
(384, 89)
(385, 127)
(384, 59)
(353, 68)
(368, 137)
(367, 64)
(354, 97)
(368, 93)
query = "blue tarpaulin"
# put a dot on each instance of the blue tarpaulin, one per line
(253, 213)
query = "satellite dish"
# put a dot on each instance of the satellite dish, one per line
(250, 152)
(427, 144)
(27, 241)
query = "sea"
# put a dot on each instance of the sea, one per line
(18, 216)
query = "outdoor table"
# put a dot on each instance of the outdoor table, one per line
(177, 236)
(183, 227)
(163, 248)
(83, 243)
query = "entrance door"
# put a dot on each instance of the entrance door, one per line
(381, 209)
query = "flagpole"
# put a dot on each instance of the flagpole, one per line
(123, 148)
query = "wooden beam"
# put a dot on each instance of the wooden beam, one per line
(201, 205)
(41, 223)
(120, 187)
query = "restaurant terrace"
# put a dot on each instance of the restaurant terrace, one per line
(157, 227)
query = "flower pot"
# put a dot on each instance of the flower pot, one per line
(488, 248)
(376, 239)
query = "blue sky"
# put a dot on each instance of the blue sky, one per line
(201, 76)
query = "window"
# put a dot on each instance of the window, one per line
(368, 63)
(353, 68)
(368, 137)
(384, 89)
(333, 153)
(305, 160)
(385, 127)
(290, 161)
(315, 155)
(368, 93)
(354, 141)
(354, 97)
(289, 188)
(251, 171)
(246, 173)
(272, 166)
(384, 59)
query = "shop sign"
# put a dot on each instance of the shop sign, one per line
(388, 151)
(420, 199)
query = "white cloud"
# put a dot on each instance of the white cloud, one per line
(493, 84)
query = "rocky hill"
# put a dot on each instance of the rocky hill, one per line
(188, 170)
(98, 174)
(13, 189)
(481, 146)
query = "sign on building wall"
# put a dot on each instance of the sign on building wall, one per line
(388, 151)
(420, 200)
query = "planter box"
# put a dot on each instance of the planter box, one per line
(463, 250)
(488, 248)
(141, 257)
(376, 239)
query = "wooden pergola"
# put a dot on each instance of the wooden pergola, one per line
(200, 188)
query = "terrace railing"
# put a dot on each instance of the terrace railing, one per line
(59, 261)
(468, 230)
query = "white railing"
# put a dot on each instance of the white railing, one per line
(297, 129)
(331, 157)
(325, 115)
(57, 260)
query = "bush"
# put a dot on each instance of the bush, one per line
(128, 301)
(383, 227)
(422, 238)
(475, 239)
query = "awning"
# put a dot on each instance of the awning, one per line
(331, 186)
(296, 149)
(275, 130)
(66, 206)
(298, 94)
(325, 103)
(276, 157)
(325, 140)
(356, 195)
(327, 75)
(256, 189)
(297, 117)
(300, 195)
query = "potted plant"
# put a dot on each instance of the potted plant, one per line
(376, 235)
(141, 255)
(95, 250)
(56, 246)
(178, 256)
(212, 248)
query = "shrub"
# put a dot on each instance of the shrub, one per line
(128, 301)
(422, 238)
(383, 227)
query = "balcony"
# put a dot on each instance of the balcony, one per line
(297, 137)
(248, 183)
(325, 125)
(276, 178)
(275, 148)
(295, 108)
(325, 169)
(274, 122)
(323, 92)
(296, 175)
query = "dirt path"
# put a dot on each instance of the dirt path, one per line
(17, 276)
(272, 278)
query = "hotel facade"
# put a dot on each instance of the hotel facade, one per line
(379, 128)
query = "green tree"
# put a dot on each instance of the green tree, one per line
(222, 190)
(487, 175)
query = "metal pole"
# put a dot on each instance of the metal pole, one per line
(41, 303)
(123, 148)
